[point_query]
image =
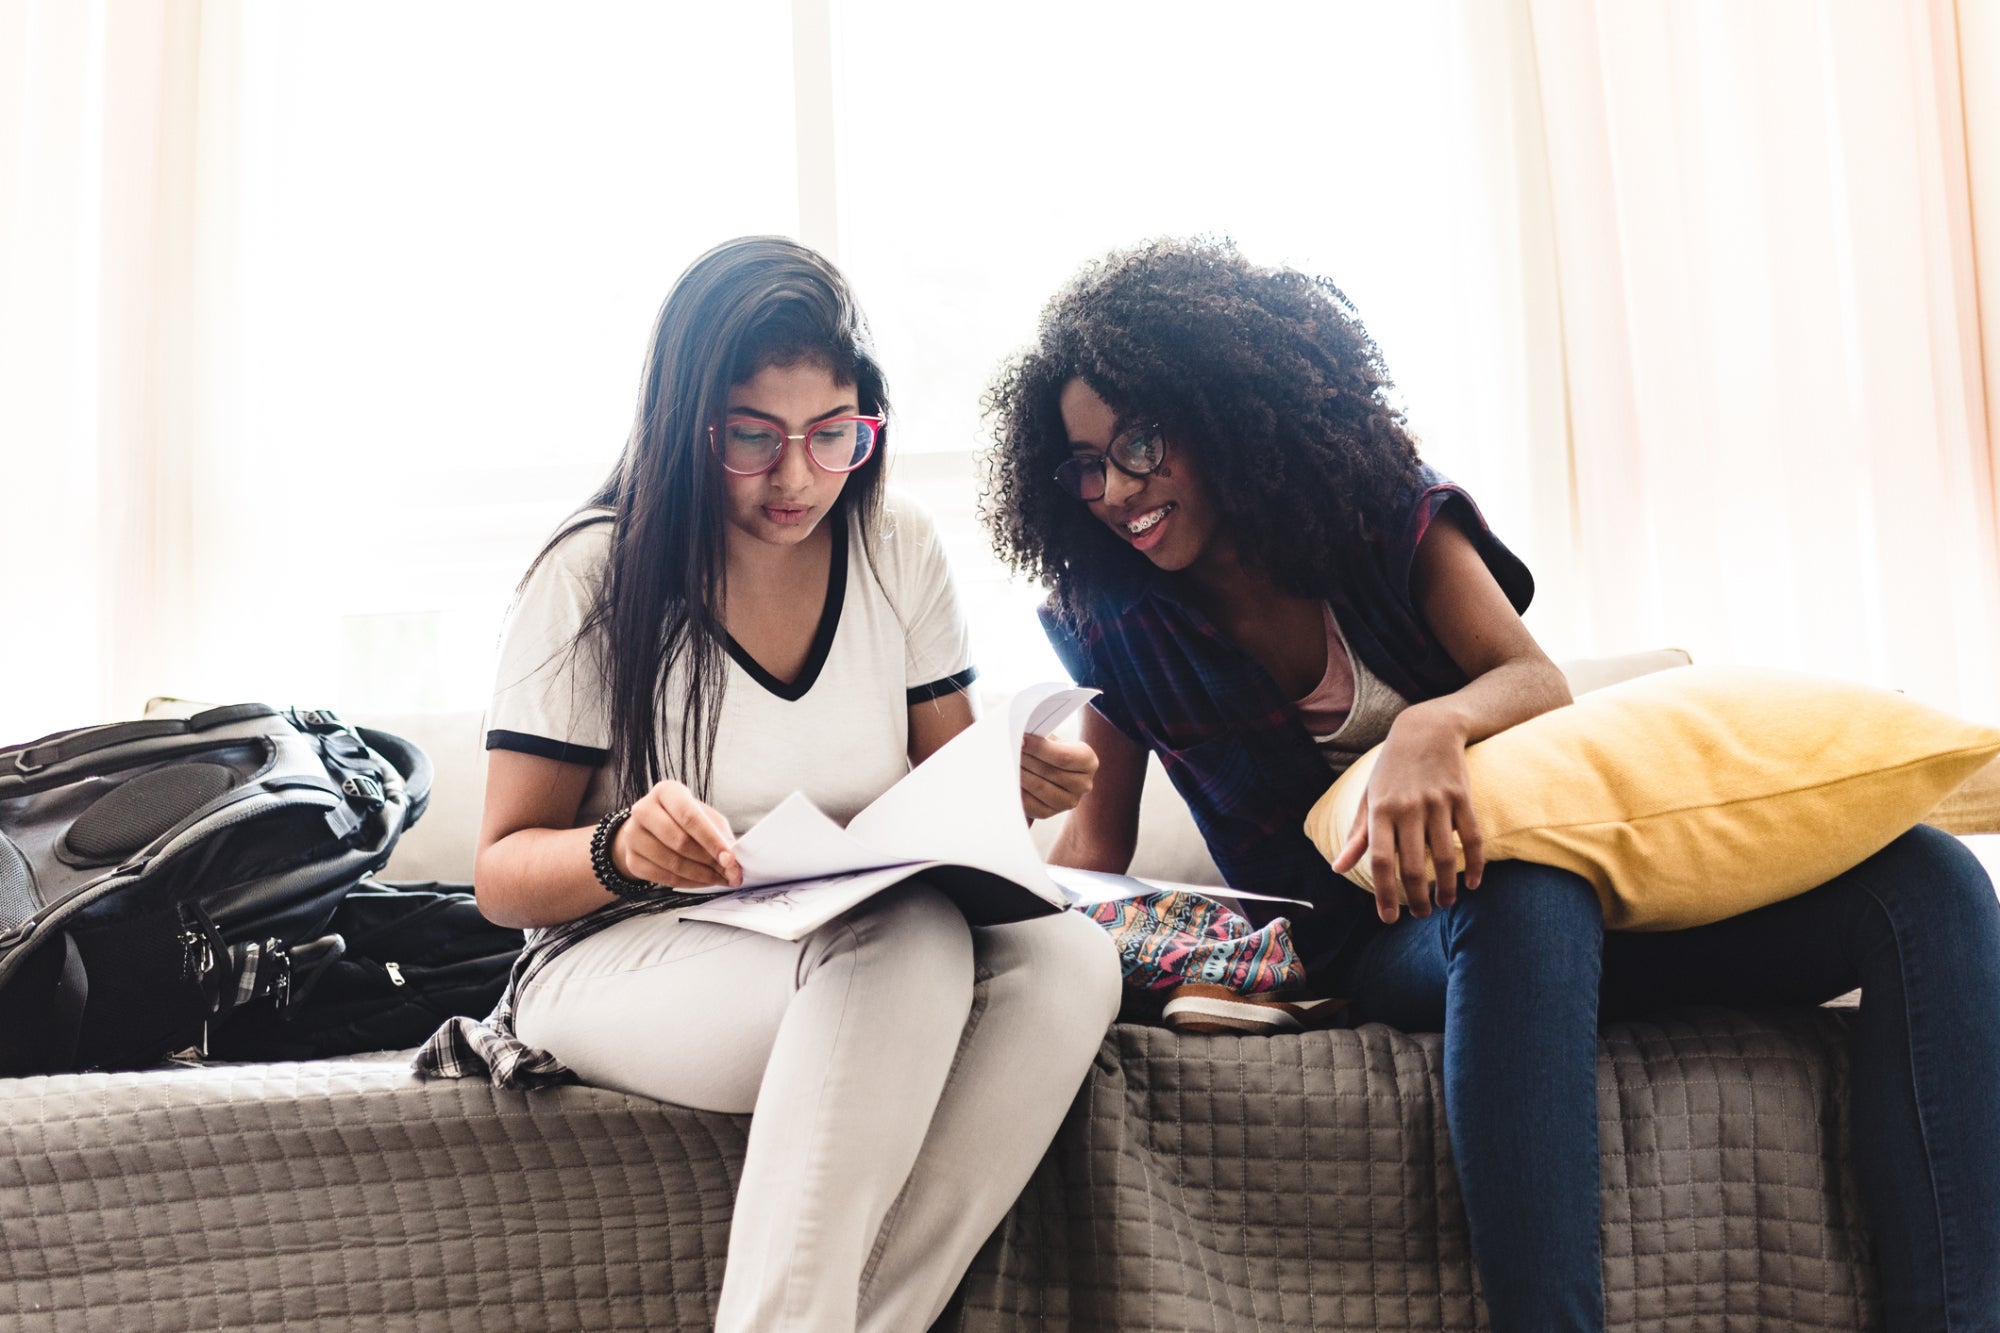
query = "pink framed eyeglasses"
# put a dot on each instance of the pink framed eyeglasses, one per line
(751, 446)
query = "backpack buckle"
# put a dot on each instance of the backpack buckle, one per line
(318, 721)
(364, 790)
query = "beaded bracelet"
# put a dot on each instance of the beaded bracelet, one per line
(607, 872)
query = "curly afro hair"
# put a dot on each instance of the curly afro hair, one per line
(1265, 373)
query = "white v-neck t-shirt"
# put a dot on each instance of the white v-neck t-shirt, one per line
(891, 635)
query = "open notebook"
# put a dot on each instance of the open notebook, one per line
(955, 819)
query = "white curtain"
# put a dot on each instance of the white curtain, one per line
(117, 203)
(307, 336)
(1771, 338)
(1393, 148)
(314, 319)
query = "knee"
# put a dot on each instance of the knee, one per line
(1067, 972)
(1084, 963)
(1529, 910)
(911, 929)
(1935, 877)
(918, 918)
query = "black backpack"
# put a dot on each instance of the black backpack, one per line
(411, 955)
(154, 875)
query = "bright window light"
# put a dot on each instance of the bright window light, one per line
(1336, 137)
(460, 219)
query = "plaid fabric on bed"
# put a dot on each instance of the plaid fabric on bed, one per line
(470, 1047)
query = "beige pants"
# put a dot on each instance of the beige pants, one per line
(905, 1073)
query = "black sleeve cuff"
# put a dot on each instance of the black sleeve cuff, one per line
(544, 748)
(923, 694)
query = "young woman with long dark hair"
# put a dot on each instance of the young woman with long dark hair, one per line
(740, 612)
(1203, 461)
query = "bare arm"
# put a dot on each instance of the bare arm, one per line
(936, 721)
(1510, 678)
(533, 865)
(1419, 794)
(1103, 831)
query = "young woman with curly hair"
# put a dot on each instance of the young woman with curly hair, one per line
(1202, 461)
(740, 612)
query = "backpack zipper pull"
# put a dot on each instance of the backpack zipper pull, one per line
(199, 953)
(395, 973)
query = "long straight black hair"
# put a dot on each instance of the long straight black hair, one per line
(748, 304)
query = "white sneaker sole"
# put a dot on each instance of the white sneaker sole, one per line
(1217, 1009)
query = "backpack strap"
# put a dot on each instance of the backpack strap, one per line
(59, 749)
(411, 762)
(66, 1003)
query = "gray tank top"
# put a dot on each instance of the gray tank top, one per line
(1375, 707)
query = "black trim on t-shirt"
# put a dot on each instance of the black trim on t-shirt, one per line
(822, 644)
(923, 694)
(544, 748)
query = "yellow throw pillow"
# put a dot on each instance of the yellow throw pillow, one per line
(1695, 794)
(1974, 807)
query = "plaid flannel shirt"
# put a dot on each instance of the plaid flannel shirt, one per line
(1230, 739)
(470, 1047)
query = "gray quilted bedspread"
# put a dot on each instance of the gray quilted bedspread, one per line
(1306, 1183)
(1201, 1183)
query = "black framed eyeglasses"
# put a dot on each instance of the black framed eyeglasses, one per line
(1138, 452)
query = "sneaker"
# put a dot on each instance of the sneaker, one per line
(1217, 1009)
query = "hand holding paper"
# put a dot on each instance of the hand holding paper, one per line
(1056, 775)
(956, 815)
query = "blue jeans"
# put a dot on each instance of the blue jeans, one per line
(1512, 975)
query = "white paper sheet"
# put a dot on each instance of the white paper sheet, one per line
(798, 842)
(793, 910)
(946, 809)
(962, 806)
(1087, 888)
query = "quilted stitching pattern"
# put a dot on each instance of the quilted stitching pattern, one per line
(347, 1194)
(1200, 1183)
(1231, 1183)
